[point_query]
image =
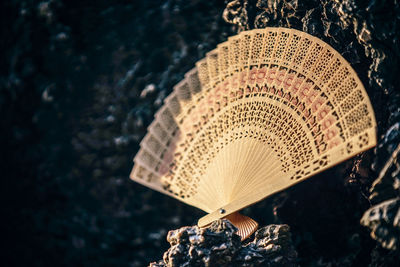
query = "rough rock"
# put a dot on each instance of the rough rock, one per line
(384, 221)
(218, 245)
(194, 246)
(236, 13)
(387, 185)
(272, 246)
(383, 218)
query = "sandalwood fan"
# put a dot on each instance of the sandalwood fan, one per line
(263, 111)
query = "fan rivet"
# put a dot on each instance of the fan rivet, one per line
(222, 211)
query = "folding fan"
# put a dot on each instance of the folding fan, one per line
(263, 111)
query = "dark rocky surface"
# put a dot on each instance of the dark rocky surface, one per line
(383, 218)
(384, 221)
(79, 83)
(218, 245)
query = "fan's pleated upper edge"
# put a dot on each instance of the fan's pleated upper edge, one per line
(195, 95)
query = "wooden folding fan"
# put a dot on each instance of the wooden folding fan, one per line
(263, 111)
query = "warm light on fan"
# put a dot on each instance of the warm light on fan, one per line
(263, 111)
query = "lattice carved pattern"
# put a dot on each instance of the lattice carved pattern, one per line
(261, 112)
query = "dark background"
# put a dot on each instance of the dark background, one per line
(72, 115)
(81, 80)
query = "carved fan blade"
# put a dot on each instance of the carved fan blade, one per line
(263, 111)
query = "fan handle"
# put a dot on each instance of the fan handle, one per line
(246, 225)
